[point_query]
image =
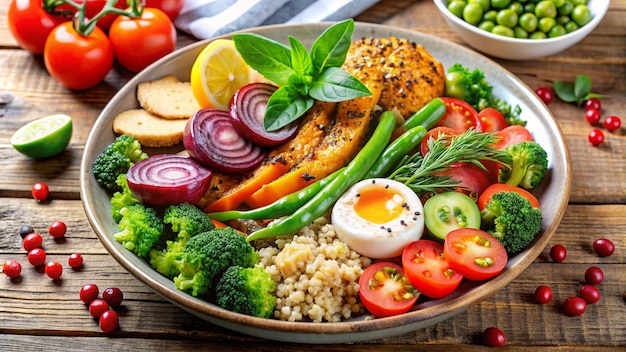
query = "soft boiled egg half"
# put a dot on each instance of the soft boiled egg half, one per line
(378, 218)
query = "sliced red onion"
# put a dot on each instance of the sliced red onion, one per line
(247, 110)
(212, 140)
(166, 179)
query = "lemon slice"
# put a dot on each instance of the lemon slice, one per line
(217, 73)
(44, 137)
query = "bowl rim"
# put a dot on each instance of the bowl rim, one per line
(601, 7)
(326, 332)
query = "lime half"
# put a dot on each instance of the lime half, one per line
(44, 137)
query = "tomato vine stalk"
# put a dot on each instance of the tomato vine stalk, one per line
(84, 25)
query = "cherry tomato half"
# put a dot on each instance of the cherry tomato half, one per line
(434, 133)
(459, 115)
(513, 134)
(474, 253)
(491, 120)
(473, 179)
(77, 61)
(138, 42)
(486, 196)
(385, 290)
(428, 270)
(30, 25)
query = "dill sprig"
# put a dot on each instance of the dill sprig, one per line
(422, 173)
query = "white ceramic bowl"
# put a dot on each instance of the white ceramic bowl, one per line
(553, 195)
(515, 48)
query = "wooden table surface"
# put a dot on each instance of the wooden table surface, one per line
(37, 313)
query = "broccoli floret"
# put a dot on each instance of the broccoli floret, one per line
(247, 290)
(210, 254)
(186, 221)
(511, 219)
(530, 163)
(141, 229)
(472, 87)
(122, 199)
(116, 159)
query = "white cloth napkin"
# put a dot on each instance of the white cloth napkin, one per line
(208, 18)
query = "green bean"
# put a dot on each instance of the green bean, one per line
(395, 151)
(427, 116)
(324, 199)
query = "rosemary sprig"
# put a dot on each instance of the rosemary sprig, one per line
(421, 174)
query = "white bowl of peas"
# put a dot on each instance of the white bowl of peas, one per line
(522, 29)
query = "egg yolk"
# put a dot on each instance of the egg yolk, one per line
(379, 204)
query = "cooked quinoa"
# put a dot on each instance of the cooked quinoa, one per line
(316, 275)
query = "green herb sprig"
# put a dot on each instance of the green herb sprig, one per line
(578, 92)
(302, 76)
(420, 173)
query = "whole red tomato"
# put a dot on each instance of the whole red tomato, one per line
(138, 42)
(170, 7)
(78, 61)
(30, 24)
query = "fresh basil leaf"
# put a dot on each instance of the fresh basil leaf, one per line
(300, 60)
(268, 57)
(565, 91)
(582, 87)
(285, 106)
(331, 47)
(335, 85)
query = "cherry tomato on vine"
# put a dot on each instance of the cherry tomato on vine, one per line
(491, 120)
(170, 7)
(92, 8)
(138, 42)
(76, 60)
(545, 94)
(459, 115)
(30, 24)
(612, 123)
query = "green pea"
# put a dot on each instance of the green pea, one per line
(571, 26)
(538, 35)
(473, 13)
(517, 7)
(486, 25)
(566, 9)
(500, 4)
(558, 3)
(490, 16)
(503, 31)
(562, 20)
(578, 2)
(529, 22)
(545, 8)
(557, 31)
(520, 32)
(507, 18)
(546, 24)
(581, 15)
(485, 4)
(529, 8)
(456, 7)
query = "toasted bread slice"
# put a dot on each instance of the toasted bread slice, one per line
(149, 129)
(167, 97)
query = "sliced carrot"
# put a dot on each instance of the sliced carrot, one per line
(233, 199)
(287, 184)
(218, 224)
